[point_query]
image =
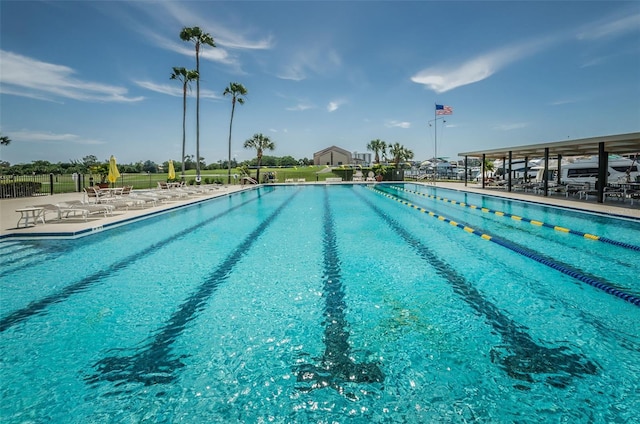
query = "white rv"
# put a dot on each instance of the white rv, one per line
(585, 170)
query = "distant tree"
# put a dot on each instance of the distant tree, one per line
(260, 143)
(270, 161)
(378, 147)
(5, 140)
(89, 161)
(189, 162)
(185, 77)
(489, 166)
(198, 37)
(287, 161)
(150, 166)
(400, 154)
(237, 92)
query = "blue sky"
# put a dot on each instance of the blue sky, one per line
(85, 78)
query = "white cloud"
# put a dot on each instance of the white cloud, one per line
(214, 54)
(397, 124)
(27, 77)
(563, 102)
(222, 35)
(444, 78)
(176, 90)
(317, 61)
(166, 14)
(510, 127)
(292, 72)
(37, 136)
(611, 27)
(300, 106)
(334, 105)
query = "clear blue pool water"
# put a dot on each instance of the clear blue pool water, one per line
(327, 304)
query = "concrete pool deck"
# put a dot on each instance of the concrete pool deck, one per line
(9, 216)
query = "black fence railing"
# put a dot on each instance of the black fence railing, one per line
(12, 186)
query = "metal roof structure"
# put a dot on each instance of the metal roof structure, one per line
(617, 144)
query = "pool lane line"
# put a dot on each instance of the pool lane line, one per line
(558, 267)
(520, 356)
(39, 307)
(336, 364)
(153, 362)
(523, 219)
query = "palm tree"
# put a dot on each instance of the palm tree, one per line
(5, 140)
(489, 166)
(185, 76)
(378, 146)
(400, 154)
(236, 90)
(260, 143)
(196, 35)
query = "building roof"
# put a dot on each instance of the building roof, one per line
(335, 149)
(618, 144)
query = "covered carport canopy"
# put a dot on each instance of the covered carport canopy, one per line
(601, 146)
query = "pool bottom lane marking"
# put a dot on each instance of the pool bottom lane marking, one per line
(563, 268)
(336, 365)
(520, 356)
(154, 362)
(523, 219)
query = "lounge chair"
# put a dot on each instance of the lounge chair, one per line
(161, 195)
(246, 179)
(587, 191)
(615, 193)
(142, 198)
(93, 194)
(62, 211)
(106, 209)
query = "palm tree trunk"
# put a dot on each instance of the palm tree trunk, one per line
(233, 107)
(258, 170)
(198, 114)
(184, 118)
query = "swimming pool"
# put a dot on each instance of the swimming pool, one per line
(385, 303)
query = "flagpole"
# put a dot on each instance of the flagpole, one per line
(435, 143)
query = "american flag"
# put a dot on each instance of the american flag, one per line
(443, 110)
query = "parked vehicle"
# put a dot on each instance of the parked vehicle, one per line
(585, 170)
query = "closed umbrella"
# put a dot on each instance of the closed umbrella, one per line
(114, 174)
(172, 171)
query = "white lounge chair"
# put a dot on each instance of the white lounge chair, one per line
(104, 208)
(62, 212)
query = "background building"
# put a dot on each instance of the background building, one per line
(363, 159)
(332, 156)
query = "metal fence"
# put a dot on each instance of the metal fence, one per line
(12, 186)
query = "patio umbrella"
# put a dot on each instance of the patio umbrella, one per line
(172, 171)
(114, 174)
